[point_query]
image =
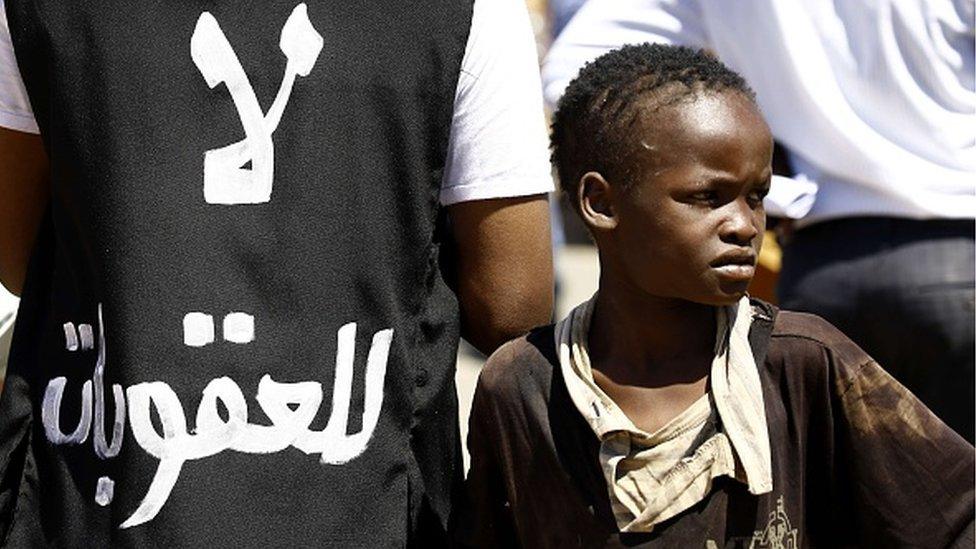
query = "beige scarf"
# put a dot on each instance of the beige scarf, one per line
(653, 477)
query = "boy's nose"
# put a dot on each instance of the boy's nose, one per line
(739, 227)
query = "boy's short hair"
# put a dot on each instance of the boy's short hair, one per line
(592, 128)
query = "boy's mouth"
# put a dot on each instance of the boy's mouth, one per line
(736, 265)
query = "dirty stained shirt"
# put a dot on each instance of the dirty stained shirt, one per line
(857, 460)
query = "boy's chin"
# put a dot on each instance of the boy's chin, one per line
(732, 292)
(724, 296)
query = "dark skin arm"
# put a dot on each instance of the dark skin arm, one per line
(504, 268)
(24, 195)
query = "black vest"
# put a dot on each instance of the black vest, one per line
(235, 329)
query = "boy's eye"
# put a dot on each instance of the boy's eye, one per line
(757, 196)
(709, 197)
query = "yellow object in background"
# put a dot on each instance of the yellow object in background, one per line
(767, 271)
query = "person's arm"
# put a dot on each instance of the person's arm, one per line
(495, 178)
(504, 268)
(603, 25)
(23, 197)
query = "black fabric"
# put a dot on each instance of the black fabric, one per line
(857, 461)
(350, 235)
(905, 291)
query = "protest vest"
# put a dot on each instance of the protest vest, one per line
(236, 330)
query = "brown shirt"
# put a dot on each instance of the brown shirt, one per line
(856, 459)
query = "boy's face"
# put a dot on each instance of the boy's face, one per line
(691, 225)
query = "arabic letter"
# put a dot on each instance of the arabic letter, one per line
(51, 413)
(165, 448)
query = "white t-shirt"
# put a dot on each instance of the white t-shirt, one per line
(498, 145)
(874, 99)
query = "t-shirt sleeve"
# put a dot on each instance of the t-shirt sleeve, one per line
(498, 145)
(604, 25)
(906, 479)
(15, 110)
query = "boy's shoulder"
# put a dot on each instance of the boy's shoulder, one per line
(806, 332)
(798, 342)
(522, 366)
(806, 341)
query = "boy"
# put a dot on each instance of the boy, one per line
(671, 409)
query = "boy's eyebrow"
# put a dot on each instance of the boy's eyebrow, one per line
(721, 179)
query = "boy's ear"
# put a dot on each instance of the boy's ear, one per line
(595, 201)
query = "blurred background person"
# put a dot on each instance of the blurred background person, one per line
(874, 103)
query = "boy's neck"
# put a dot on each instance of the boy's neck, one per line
(640, 336)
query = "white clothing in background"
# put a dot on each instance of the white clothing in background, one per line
(873, 99)
(15, 111)
(8, 310)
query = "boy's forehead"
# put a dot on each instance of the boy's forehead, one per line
(697, 115)
(681, 126)
(715, 131)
